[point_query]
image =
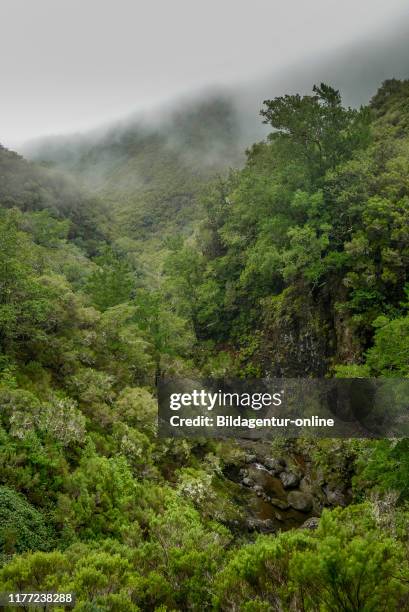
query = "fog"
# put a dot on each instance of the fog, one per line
(69, 66)
(356, 69)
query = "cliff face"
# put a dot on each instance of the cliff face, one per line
(297, 339)
(304, 334)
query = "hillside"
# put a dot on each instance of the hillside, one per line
(152, 171)
(136, 254)
(30, 188)
(304, 249)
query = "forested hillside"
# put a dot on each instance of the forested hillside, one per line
(308, 244)
(151, 171)
(143, 254)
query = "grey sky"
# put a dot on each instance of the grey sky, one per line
(68, 65)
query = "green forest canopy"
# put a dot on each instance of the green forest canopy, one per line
(298, 265)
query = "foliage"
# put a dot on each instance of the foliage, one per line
(346, 565)
(22, 526)
(295, 264)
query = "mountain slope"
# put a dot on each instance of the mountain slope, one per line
(153, 172)
(30, 187)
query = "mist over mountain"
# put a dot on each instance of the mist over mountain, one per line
(357, 70)
(206, 131)
(153, 166)
(153, 169)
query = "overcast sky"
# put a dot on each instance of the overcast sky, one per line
(69, 65)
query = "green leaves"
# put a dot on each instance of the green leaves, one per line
(22, 527)
(319, 130)
(24, 301)
(302, 260)
(112, 283)
(321, 207)
(347, 564)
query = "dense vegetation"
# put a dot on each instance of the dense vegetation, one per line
(297, 265)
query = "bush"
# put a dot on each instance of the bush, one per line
(22, 527)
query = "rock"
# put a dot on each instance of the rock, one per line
(275, 465)
(300, 501)
(305, 486)
(336, 497)
(248, 482)
(268, 525)
(289, 480)
(319, 478)
(255, 524)
(250, 458)
(252, 523)
(311, 523)
(279, 503)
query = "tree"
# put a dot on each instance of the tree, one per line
(22, 527)
(319, 130)
(113, 282)
(24, 301)
(169, 335)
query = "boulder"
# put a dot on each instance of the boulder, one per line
(305, 486)
(300, 501)
(248, 482)
(289, 479)
(275, 465)
(311, 523)
(279, 503)
(265, 526)
(336, 497)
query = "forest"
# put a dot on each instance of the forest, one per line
(171, 251)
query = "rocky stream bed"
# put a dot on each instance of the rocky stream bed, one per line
(281, 493)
